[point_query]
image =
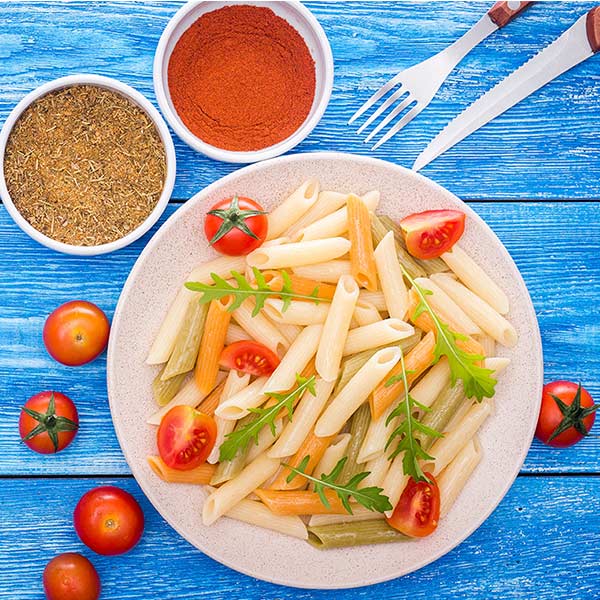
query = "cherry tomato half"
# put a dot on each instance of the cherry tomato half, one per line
(108, 520)
(185, 437)
(430, 233)
(236, 226)
(71, 576)
(76, 333)
(48, 422)
(567, 414)
(249, 357)
(418, 510)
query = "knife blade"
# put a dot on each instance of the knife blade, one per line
(575, 45)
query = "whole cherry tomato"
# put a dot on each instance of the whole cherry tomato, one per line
(71, 576)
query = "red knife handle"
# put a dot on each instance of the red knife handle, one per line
(503, 13)
(592, 25)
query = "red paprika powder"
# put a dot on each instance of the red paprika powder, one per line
(241, 78)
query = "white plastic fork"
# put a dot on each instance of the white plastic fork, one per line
(420, 83)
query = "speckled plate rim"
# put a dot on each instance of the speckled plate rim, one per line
(534, 359)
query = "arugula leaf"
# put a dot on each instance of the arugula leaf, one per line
(478, 381)
(245, 289)
(239, 439)
(369, 497)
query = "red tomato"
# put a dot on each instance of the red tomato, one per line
(418, 510)
(108, 520)
(185, 437)
(48, 422)
(76, 333)
(430, 233)
(249, 357)
(236, 226)
(567, 414)
(71, 576)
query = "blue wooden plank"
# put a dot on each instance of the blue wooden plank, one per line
(551, 137)
(561, 269)
(524, 550)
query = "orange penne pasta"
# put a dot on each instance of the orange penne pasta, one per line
(302, 502)
(301, 285)
(416, 362)
(200, 475)
(314, 447)
(210, 403)
(362, 259)
(212, 344)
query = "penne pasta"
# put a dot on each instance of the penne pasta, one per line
(296, 313)
(376, 299)
(391, 278)
(377, 435)
(365, 314)
(335, 329)
(236, 334)
(292, 208)
(355, 533)
(300, 502)
(487, 343)
(476, 279)
(394, 482)
(238, 405)
(298, 254)
(230, 493)
(381, 333)
(358, 428)
(165, 391)
(289, 331)
(356, 391)
(199, 476)
(430, 386)
(359, 513)
(259, 328)
(328, 272)
(332, 455)
(266, 439)
(210, 403)
(377, 469)
(362, 259)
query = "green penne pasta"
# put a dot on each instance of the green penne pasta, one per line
(228, 469)
(358, 429)
(165, 391)
(355, 533)
(185, 352)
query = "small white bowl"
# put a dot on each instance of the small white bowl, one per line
(141, 102)
(301, 19)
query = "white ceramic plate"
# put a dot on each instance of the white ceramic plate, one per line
(180, 245)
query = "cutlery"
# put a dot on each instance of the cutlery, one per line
(419, 83)
(575, 45)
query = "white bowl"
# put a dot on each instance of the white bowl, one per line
(141, 102)
(296, 15)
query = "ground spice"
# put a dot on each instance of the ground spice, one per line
(84, 165)
(241, 78)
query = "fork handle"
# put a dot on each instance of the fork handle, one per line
(502, 13)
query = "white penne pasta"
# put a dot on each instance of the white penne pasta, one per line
(359, 513)
(292, 208)
(259, 328)
(305, 415)
(234, 383)
(265, 440)
(236, 406)
(333, 224)
(189, 395)
(327, 272)
(377, 469)
(377, 435)
(300, 352)
(289, 331)
(476, 279)
(298, 253)
(297, 313)
(365, 314)
(496, 363)
(448, 310)
(335, 329)
(236, 334)
(394, 482)
(432, 383)
(230, 493)
(487, 343)
(167, 334)
(477, 309)
(446, 448)
(376, 299)
(332, 455)
(390, 277)
(376, 334)
(453, 478)
(356, 391)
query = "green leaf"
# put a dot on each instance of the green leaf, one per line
(369, 497)
(239, 439)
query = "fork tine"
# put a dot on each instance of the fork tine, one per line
(407, 118)
(393, 114)
(397, 94)
(384, 89)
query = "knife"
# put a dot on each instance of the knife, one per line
(577, 43)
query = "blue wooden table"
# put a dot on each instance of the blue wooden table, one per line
(533, 175)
